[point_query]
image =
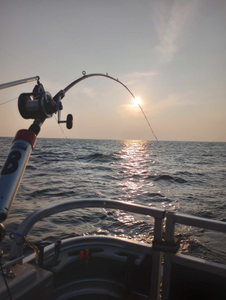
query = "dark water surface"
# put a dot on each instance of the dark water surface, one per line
(188, 177)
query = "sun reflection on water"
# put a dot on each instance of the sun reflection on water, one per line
(135, 184)
(134, 154)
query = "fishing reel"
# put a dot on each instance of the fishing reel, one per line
(37, 105)
(40, 105)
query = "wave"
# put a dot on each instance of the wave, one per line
(165, 177)
(99, 157)
(190, 245)
(186, 173)
(52, 192)
(205, 214)
(154, 195)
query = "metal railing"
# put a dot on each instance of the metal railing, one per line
(157, 214)
(169, 258)
(161, 245)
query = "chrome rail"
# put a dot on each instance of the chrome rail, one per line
(163, 245)
(199, 222)
(27, 224)
(158, 214)
(171, 220)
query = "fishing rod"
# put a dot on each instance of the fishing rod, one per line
(38, 105)
(92, 75)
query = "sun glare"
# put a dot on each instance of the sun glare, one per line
(137, 101)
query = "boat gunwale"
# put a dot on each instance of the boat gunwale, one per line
(29, 221)
(85, 241)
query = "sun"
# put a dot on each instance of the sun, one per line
(136, 101)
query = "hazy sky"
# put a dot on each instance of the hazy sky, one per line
(172, 54)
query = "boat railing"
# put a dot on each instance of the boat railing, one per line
(171, 260)
(162, 242)
(157, 214)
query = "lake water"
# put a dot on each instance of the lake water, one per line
(188, 177)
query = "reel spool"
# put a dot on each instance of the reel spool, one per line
(42, 105)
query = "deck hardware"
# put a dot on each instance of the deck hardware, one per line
(165, 246)
(81, 255)
(57, 247)
(84, 255)
(41, 254)
(8, 272)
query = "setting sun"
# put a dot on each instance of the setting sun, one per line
(136, 101)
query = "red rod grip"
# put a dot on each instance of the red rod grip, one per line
(27, 135)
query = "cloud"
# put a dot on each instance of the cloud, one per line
(52, 86)
(88, 91)
(174, 101)
(171, 24)
(134, 77)
(142, 74)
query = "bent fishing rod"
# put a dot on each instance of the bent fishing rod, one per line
(38, 105)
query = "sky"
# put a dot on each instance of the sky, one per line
(171, 54)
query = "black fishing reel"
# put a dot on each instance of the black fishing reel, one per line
(36, 105)
(40, 105)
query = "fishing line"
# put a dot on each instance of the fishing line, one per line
(112, 78)
(8, 101)
(85, 76)
(148, 123)
(86, 174)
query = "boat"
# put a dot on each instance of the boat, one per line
(96, 267)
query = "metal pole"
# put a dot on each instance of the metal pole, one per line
(169, 237)
(17, 82)
(156, 262)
